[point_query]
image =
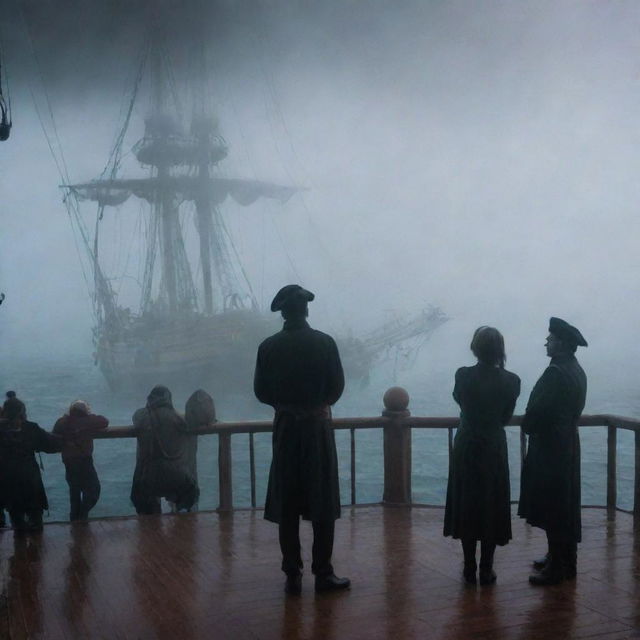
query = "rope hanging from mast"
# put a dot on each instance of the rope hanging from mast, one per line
(5, 105)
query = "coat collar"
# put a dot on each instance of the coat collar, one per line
(292, 325)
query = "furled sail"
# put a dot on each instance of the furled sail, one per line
(109, 193)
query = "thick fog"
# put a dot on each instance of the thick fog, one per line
(481, 157)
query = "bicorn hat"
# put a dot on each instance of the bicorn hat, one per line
(290, 294)
(566, 332)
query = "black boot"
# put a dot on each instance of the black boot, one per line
(541, 563)
(470, 565)
(331, 582)
(487, 574)
(293, 584)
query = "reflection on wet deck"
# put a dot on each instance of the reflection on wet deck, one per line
(217, 576)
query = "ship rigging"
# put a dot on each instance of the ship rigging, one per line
(192, 324)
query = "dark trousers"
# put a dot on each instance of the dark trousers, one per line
(563, 553)
(26, 519)
(84, 486)
(487, 549)
(289, 533)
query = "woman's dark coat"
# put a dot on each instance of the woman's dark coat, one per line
(163, 459)
(550, 485)
(299, 373)
(21, 487)
(478, 494)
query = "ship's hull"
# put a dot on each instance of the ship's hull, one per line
(188, 352)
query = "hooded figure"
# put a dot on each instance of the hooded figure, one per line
(198, 411)
(22, 493)
(162, 456)
(299, 373)
(550, 484)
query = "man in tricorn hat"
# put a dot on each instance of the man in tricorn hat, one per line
(550, 486)
(299, 373)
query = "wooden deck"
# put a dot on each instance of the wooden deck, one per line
(217, 576)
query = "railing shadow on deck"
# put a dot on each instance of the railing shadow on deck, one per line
(397, 424)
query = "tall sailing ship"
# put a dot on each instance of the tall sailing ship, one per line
(197, 321)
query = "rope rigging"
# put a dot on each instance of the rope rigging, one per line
(5, 105)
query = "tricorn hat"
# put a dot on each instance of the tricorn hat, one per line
(566, 332)
(290, 294)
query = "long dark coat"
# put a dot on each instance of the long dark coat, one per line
(163, 460)
(299, 373)
(550, 485)
(478, 493)
(21, 487)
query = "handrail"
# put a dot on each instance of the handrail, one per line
(397, 424)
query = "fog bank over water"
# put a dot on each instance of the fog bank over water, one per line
(481, 157)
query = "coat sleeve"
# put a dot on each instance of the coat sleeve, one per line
(335, 385)
(543, 402)
(457, 387)
(59, 426)
(511, 405)
(260, 384)
(47, 442)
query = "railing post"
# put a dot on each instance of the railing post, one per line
(224, 472)
(636, 483)
(397, 448)
(611, 472)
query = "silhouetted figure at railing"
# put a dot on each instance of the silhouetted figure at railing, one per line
(550, 486)
(199, 410)
(77, 428)
(21, 490)
(299, 373)
(163, 457)
(478, 493)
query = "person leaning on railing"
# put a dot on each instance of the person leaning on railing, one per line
(299, 373)
(164, 460)
(21, 490)
(77, 428)
(478, 503)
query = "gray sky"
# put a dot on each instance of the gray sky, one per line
(481, 156)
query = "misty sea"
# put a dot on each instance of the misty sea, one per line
(48, 385)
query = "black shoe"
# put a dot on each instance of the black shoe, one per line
(331, 583)
(569, 571)
(293, 584)
(469, 574)
(547, 576)
(487, 576)
(541, 563)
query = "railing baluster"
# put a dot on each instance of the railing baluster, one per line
(252, 470)
(397, 448)
(636, 483)
(611, 472)
(224, 472)
(353, 466)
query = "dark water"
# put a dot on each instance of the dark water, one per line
(49, 385)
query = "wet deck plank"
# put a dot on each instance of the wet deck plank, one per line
(217, 576)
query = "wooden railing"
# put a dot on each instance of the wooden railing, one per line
(398, 423)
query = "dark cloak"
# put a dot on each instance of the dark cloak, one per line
(21, 487)
(478, 492)
(199, 410)
(550, 485)
(299, 373)
(163, 463)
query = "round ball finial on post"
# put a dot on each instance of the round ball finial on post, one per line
(396, 401)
